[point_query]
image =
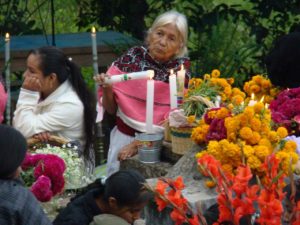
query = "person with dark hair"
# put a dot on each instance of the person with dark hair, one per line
(122, 194)
(165, 49)
(282, 62)
(17, 204)
(288, 215)
(54, 99)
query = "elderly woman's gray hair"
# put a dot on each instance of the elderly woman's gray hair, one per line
(180, 21)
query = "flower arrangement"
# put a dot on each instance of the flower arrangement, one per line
(74, 174)
(284, 110)
(261, 87)
(46, 172)
(246, 136)
(204, 93)
(237, 199)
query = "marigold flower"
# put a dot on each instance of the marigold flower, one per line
(215, 73)
(246, 133)
(261, 152)
(255, 138)
(282, 132)
(290, 146)
(255, 124)
(248, 151)
(258, 79)
(237, 99)
(266, 84)
(206, 76)
(258, 107)
(210, 184)
(255, 88)
(273, 137)
(253, 162)
(191, 119)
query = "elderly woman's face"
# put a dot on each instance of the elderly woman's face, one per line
(164, 42)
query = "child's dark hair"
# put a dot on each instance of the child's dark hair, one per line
(53, 60)
(282, 62)
(126, 186)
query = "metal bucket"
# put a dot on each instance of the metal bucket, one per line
(149, 148)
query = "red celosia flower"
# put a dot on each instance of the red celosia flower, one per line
(41, 189)
(45, 166)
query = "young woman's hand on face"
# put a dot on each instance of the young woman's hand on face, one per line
(32, 83)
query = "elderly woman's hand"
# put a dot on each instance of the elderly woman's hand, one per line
(100, 79)
(128, 151)
(32, 83)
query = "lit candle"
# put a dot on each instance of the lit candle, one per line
(129, 76)
(149, 104)
(218, 101)
(262, 99)
(7, 76)
(180, 84)
(267, 106)
(173, 90)
(252, 102)
(94, 49)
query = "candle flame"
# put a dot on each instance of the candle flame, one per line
(151, 74)
(266, 105)
(171, 71)
(93, 30)
(262, 99)
(252, 96)
(7, 36)
(181, 67)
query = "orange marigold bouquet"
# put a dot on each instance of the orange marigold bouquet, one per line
(260, 87)
(245, 136)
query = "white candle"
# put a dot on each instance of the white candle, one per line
(7, 76)
(173, 90)
(180, 84)
(180, 80)
(94, 49)
(129, 76)
(252, 102)
(149, 104)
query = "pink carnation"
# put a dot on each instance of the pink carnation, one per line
(41, 189)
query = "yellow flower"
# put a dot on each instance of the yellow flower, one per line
(258, 107)
(255, 138)
(248, 150)
(290, 146)
(273, 137)
(200, 154)
(266, 84)
(255, 88)
(253, 162)
(267, 143)
(237, 99)
(230, 80)
(191, 119)
(222, 113)
(206, 76)
(282, 132)
(258, 79)
(246, 133)
(255, 124)
(210, 183)
(261, 152)
(215, 73)
(249, 112)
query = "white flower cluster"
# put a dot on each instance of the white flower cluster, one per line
(75, 174)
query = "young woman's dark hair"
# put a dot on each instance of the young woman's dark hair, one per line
(53, 60)
(126, 186)
(283, 61)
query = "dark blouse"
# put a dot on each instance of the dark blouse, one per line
(138, 59)
(80, 211)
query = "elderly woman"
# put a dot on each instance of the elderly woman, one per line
(165, 49)
(54, 99)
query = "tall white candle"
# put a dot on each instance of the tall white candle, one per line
(94, 49)
(180, 84)
(173, 90)
(129, 76)
(149, 104)
(7, 76)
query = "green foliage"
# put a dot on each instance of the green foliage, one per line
(87, 73)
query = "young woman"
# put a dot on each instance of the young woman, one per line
(122, 194)
(54, 99)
